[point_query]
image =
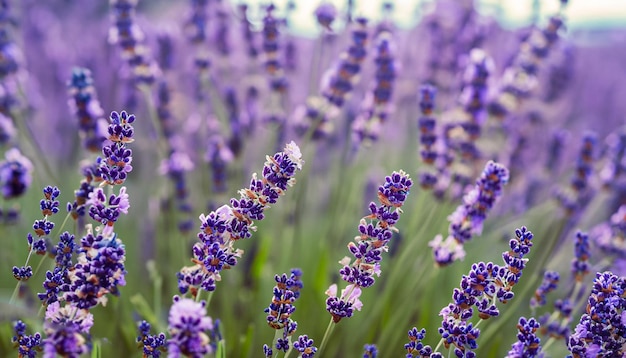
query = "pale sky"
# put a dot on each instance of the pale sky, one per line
(579, 13)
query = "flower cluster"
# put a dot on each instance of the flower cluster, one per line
(27, 345)
(188, 328)
(337, 84)
(221, 228)
(415, 347)
(16, 174)
(99, 270)
(126, 33)
(368, 246)
(549, 284)
(610, 236)
(485, 284)
(152, 345)
(115, 165)
(527, 344)
(375, 106)
(67, 331)
(467, 220)
(601, 331)
(286, 292)
(580, 262)
(520, 78)
(86, 107)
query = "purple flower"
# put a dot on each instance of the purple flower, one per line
(370, 351)
(153, 345)
(467, 220)
(602, 328)
(188, 327)
(415, 347)
(15, 174)
(325, 15)
(85, 106)
(67, 331)
(527, 345)
(304, 345)
(580, 263)
(99, 270)
(115, 165)
(485, 283)
(126, 33)
(286, 291)
(549, 284)
(105, 210)
(27, 345)
(221, 228)
(369, 245)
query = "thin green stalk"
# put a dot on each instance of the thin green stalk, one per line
(329, 330)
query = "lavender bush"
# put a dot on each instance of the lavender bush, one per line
(164, 162)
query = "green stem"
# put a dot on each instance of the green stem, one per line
(329, 330)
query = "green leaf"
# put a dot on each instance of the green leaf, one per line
(143, 308)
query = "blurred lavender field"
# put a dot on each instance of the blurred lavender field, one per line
(416, 157)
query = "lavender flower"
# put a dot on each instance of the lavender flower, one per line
(99, 270)
(325, 15)
(602, 328)
(286, 292)
(376, 105)
(224, 226)
(67, 331)
(580, 263)
(15, 174)
(27, 345)
(152, 345)
(86, 107)
(304, 345)
(115, 165)
(415, 347)
(368, 247)
(126, 33)
(485, 284)
(337, 84)
(610, 236)
(527, 345)
(370, 351)
(549, 284)
(519, 79)
(467, 220)
(188, 327)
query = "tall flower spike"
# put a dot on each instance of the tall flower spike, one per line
(99, 270)
(337, 83)
(467, 220)
(15, 174)
(485, 284)
(67, 331)
(527, 344)
(188, 328)
(601, 331)
(86, 107)
(286, 292)
(128, 35)
(375, 232)
(377, 104)
(220, 229)
(115, 165)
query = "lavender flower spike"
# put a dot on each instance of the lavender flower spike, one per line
(467, 220)
(368, 246)
(188, 327)
(601, 331)
(221, 228)
(527, 345)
